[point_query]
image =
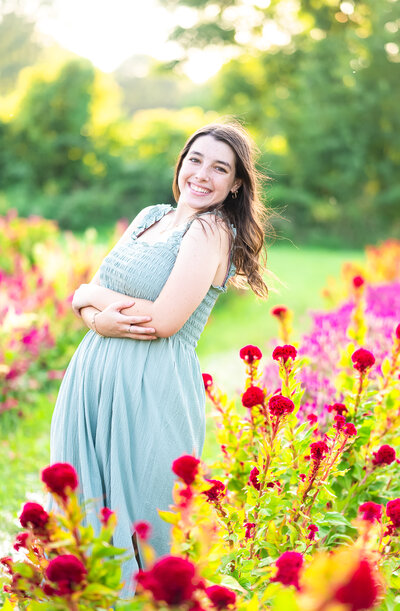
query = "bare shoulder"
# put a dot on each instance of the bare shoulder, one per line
(211, 229)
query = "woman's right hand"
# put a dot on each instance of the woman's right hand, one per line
(111, 323)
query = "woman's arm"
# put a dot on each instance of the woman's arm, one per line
(191, 277)
(115, 324)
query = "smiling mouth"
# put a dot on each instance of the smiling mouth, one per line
(199, 190)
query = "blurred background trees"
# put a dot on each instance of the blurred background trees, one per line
(316, 83)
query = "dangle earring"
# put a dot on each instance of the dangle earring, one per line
(234, 194)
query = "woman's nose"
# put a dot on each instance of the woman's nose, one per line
(202, 172)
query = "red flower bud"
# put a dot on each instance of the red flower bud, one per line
(362, 359)
(35, 516)
(280, 406)
(20, 541)
(105, 515)
(250, 353)
(358, 281)
(216, 492)
(253, 396)
(318, 450)
(393, 512)
(398, 331)
(313, 530)
(61, 479)
(66, 571)
(289, 566)
(339, 408)
(384, 456)
(250, 526)
(284, 352)
(220, 596)
(371, 511)
(362, 590)
(280, 312)
(312, 418)
(186, 467)
(143, 530)
(350, 430)
(253, 478)
(207, 380)
(340, 421)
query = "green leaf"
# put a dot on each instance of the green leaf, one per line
(169, 516)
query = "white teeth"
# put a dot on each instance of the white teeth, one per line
(198, 189)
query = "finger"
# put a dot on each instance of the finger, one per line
(135, 320)
(120, 305)
(140, 330)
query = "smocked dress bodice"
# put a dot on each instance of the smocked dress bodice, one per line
(140, 269)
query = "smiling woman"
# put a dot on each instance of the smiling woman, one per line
(127, 408)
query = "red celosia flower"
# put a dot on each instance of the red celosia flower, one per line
(280, 406)
(186, 494)
(207, 380)
(60, 478)
(20, 541)
(253, 396)
(7, 561)
(340, 421)
(318, 450)
(250, 353)
(186, 467)
(143, 530)
(371, 511)
(216, 492)
(362, 590)
(171, 579)
(253, 479)
(398, 331)
(289, 565)
(284, 352)
(302, 476)
(220, 596)
(362, 359)
(349, 429)
(105, 515)
(279, 312)
(250, 526)
(393, 512)
(313, 529)
(384, 456)
(312, 418)
(339, 408)
(35, 516)
(66, 571)
(358, 281)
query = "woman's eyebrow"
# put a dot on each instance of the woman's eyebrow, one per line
(216, 161)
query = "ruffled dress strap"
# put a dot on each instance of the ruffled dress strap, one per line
(153, 214)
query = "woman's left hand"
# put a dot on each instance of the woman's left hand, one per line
(81, 299)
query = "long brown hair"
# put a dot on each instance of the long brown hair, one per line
(246, 212)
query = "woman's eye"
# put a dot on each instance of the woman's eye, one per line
(194, 159)
(221, 169)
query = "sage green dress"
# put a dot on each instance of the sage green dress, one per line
(128, 408)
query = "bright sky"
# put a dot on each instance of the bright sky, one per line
(107, 33)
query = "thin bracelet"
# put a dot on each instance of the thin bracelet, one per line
(94, 328)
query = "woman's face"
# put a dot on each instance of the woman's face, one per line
(207, 173)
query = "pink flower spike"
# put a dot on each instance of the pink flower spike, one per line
(105, 515)
(142, 529)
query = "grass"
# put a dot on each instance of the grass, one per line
(237, 319)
